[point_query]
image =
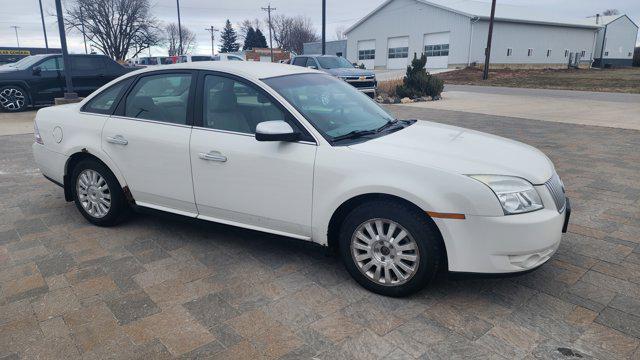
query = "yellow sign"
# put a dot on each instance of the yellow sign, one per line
(15, 52)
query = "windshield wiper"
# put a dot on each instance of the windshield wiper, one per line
(389, 124)
(355, 134)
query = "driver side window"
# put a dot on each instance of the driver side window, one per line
(52, 64)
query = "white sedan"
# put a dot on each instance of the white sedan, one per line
(295, 152)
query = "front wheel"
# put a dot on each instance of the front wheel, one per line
(390, 248)
(12, 98)
(97, 193)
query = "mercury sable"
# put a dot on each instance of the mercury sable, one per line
(296, 152)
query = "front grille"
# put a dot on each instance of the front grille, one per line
(363, 84)
(556, 188)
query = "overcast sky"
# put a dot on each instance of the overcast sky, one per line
(200, 14)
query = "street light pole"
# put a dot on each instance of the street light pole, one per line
(485, 73)
(324, 27)
(68, 94)
(179, 30)
(16, 30)
(44, 29)
(269, 9)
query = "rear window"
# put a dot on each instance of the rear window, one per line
(105, 102)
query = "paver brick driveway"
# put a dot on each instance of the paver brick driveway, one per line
(161, 287)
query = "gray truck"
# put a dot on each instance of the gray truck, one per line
(363, 80)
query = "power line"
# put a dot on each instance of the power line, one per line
(269, 9)
(212, 30)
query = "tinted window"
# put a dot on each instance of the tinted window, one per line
(87, 63)
(300, 61)
(200, 58)
(311, 62)
(105, 101)
(162, 97)
(53, 64)
(235, 106)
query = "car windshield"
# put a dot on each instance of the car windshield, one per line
(26, 62)
(332, 106)
(200, 58)
(330, 62)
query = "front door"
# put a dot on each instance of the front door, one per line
(148, 139)
(48, 84)
(240, 181)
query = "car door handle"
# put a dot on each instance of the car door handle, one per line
(213, 156)
(118, 140)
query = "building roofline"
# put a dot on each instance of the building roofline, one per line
(482, 17)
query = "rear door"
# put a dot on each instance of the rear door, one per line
(300, 61)
(88, 73)
(148, 139)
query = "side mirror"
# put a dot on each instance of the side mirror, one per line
(36, 70)
(277, 130)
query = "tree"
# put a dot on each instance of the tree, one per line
(418, 82)
(261, 41)
(173, 40)
(118, 28)
(290, 33)
(610, 12)
(340, 35)
(229, 39)
(249, 39)
(243, 27)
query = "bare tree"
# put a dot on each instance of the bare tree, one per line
(290, 33)
(340, 35)
(117, 28)
(245, 25)
(610, 12)
(173, 40)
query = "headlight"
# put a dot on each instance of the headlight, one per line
(516, 195)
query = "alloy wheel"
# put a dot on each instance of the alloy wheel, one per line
(12, 99)
(385, 252)
(93, 193)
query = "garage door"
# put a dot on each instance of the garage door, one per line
(398, 53)
(367, 53)
(436, 46)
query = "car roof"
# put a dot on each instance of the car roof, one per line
(248, 69)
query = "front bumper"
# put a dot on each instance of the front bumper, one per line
(503, 244)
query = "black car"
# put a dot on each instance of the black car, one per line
(39, 79)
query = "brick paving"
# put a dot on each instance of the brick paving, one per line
(159, 287)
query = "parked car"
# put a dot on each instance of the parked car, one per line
(296, 152)
(194, 58)
(227, 57)
(363, 80)
(39, 79)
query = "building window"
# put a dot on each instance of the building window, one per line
(367, 54)
(339, 54)
(583, 53)
(606, 53)
(630, 54)
(399, 53)
(509, 51)
(530, 52)
(566, 53)
(436, 50)
(548, 52)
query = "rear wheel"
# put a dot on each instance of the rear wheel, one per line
(389, 248)
(97, 193)
(13, 98)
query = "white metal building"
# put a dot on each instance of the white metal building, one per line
(454, 34)
(615, 41)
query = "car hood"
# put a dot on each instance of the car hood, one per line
(349, 72)
(5, 69)
(461, 151)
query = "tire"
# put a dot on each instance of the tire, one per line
(102, 207)
(13, 98)
(393, 254)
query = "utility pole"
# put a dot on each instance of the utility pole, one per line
(269, 9)
(324, 27)
(68, 94)
(487, 55)
(44, 29)
(16, 29)
(84, 37)
(212, 30)
(180, 52)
